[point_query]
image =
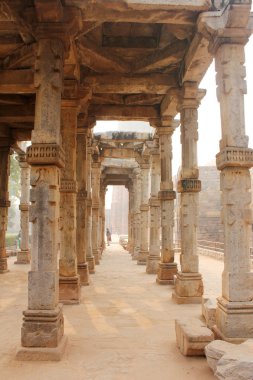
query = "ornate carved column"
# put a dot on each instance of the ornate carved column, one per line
(235, 306)
(102, 215)
(137, 213)
(42, 328)
(81, 211)
(167, 267)
(4, 200)
(23, 255)
(130, 244)
(154, 211)
(95, 177)
(88, 237)
(189, 285)
(144, 209)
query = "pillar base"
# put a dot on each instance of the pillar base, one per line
(69, 290)
(152, 264)
(83, 271)
(91, 264)
(3, 265)
(166, 273)
(234, 320)
(135, 255)
(96, 257)
(42, 354)
(42, 328)
(142, 258)
(188, 288)
(23, 257)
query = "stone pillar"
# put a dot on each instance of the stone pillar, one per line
(130, 244)
(88, 236)
(4, 201)
(155, 212)
(189, 285)
(167, 267)
(81, 211)
(144, 209)
(69, 279)
(235, 306)
(102, 218)
(43, 327)
(137, 213)
(95, 176)
(23, 255)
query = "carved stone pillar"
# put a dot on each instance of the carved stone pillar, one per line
(235, 306)
(137, 213)
(43, 326)
(95, 176)
(167, 267)
(153, 258)
(88, 236)
(102, 218)
(130, 244)
(4, 201)
(23, 255)
(189, 285)
(69, 279)
(144, 209)
(81, 211)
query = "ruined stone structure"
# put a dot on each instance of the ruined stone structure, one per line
(66, 64)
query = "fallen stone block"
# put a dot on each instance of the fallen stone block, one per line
(214, 351)
(192, 336)
(209, 306)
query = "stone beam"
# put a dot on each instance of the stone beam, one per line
(49, 10)
(136, 84)
(17, 113)
(109, 112)
(118, 153)
(16, 82)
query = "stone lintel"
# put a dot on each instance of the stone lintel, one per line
(45, 154)
(68, 186)
(189, 185)
(167, 195)
(234, 157)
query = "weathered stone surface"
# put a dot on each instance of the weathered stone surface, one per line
(192, 336)
(209, 306)
(214, 351)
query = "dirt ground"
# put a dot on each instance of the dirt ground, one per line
(122, 330)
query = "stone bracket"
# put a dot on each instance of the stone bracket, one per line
(235, 157)
(189, 185)
(68, 186)
(167, 195)
(45, 154)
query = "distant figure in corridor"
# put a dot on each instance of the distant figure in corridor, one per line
(108, 236)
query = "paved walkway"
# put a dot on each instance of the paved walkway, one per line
(122, 330)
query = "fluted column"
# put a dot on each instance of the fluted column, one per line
(4, 200)
(88, 236)
(189, 285)
(137, 213)
(43, 326)
(81, 211)
(23, 255)
(153, 258)
(144, 208)
(235, 306)
(95, 176)
(167, 266)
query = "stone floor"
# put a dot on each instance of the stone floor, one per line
(123, 328)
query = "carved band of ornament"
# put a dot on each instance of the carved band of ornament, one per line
(24, 207)
(239, 157)
(144, 166)
(167, 195)
(81, 195)
(95, 204)
(154, 202)
(144, 207)
(5, 203)
(45, 154)
(68, 186)
(189, 185)
(89, 202)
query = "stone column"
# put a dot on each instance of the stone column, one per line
(144, 209)
(235, 306)
(154, 211)
(88, 236)
(102, 218)
(69, 279)
(189, 285)
(130, 244)
(95, 176)
(23, 255)
(137, 213)
(4, 201)
(167, 267)
(81, 211)
(43, 326)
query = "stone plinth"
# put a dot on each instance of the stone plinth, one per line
(69, 290)
(166, 273)
(188, 288)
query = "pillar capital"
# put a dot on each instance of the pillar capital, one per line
(191, 96)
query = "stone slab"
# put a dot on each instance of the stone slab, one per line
(42, 353)
(209, 306)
